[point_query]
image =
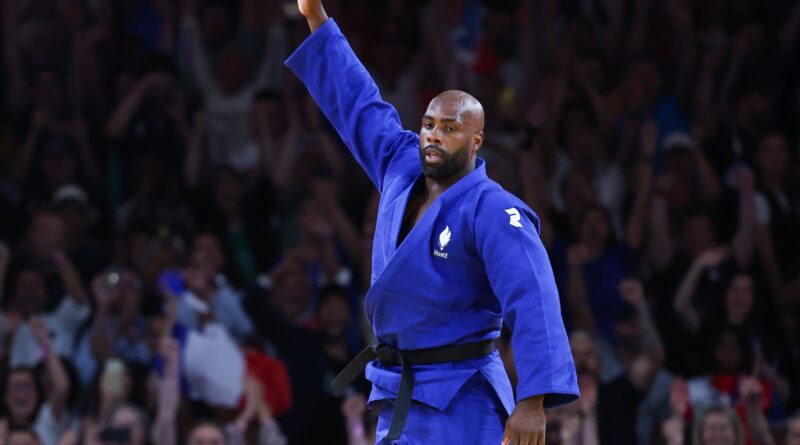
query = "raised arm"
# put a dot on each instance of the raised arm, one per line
(743, 242)
(15, 81)
(347, 94)
(686, 311)
(637, 220)
(59, 390)
(164, 430)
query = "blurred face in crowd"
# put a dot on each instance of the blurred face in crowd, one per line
(772, 157)
(584, 353)
(324, 189)
(451, 133)
(136, 246)
(49, 98)
(215, 24)
(75, 216)
(30, 292)
(46, 235)
(206, 434)
(728, 354)
(594, 70)
(578, 193)
(269, 111)
(642, 86)
(793, 433)
(207, 254)
(629, 329)
(21, 398)
(129, 418)
(233, 71)
(678, 162)
(753, 113)
(228, 192)
(76, 14)
(697, 235)
(501, 30)
(334, 316)
(150, 176)
(718, 430)
(585, 149)
(293, 292)
(594, 230)
(739, 299)
(22, 437)
(313, 220)
(59, 168)
(560, 420)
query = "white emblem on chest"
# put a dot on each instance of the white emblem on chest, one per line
(444, 240)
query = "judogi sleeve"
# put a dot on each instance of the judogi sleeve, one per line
(519, 272)
(350, 99)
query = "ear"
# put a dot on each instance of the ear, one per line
(477, 141)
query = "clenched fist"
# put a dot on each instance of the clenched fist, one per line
(313, 11)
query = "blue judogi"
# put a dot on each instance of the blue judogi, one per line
(473, 260)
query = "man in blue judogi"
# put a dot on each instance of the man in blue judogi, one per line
(454, 256)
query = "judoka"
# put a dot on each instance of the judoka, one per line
(454, 257)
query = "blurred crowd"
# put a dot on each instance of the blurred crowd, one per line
(186, 242)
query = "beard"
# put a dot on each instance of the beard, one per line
(450, 165)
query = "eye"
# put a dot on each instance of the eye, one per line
(427, 125)
(450, 128)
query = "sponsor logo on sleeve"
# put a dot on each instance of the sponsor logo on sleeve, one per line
(514, 217)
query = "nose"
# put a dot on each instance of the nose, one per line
(432, 138)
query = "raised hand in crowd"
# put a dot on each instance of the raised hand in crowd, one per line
(752, 391)
(59, 385)
(683, 305)
(674, 428)
(353, 409)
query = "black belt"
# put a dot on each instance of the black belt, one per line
(389, 356)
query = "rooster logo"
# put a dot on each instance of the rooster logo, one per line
(444, 238)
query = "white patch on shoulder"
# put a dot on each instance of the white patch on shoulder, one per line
(514, 217)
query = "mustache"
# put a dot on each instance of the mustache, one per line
(434, 148)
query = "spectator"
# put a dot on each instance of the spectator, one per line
(230, 87)
(22, 396)
(204, 278)
(29, 301)
(718, 425)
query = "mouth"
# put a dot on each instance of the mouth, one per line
(433, 154)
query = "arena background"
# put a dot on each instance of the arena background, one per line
(185, 239)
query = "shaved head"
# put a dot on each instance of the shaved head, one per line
(468, 109)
